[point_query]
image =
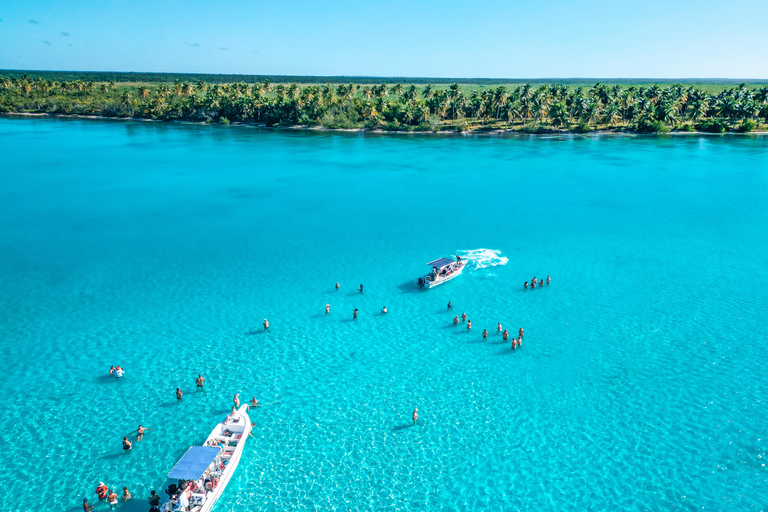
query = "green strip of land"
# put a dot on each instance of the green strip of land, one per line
(396, 104)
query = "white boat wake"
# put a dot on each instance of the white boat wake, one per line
(483, 258)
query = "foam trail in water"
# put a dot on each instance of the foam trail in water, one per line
(483, 258)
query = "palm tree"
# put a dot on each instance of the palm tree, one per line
(454, 92)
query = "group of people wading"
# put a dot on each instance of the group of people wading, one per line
(516, 342)
(535, 282)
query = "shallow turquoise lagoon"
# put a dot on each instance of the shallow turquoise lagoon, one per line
(641, 384)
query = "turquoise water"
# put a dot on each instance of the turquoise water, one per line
(641, 383)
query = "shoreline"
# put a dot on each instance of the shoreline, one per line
(452, 133)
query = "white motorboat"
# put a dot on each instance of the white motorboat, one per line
(204, 471)
(443, 270)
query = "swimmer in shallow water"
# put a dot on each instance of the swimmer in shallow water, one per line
(236, 400)
(514, 343)
(505, 335)
(548, 280)
(485, 334)
(266, 324)
(354, 314)
(498, 327)
(361, 288)
(415, 416)
(525, 285)
(327, 308)
(521, 332)
(456, 319)
(520, 341)
(450, 306)
(254, 402)
(337, 286)
(463, 317)
(384, 309)
(469, 324)
(179, 394)
(199, 381)
(127, 445)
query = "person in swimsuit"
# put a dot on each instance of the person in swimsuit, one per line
(463, 317)
(415, 416)
(337, 286)
(354, 314)
(505, 335)
(361, 288)
(179, 394)
(112, 499)
(384, 309)
(199, 381)
(126, 494)
(456, 319)
(485, 334)
(127, 445)
(520, 341)
(236, 400)
(140, 433)
(548, 280)
(525, 285)
(254, 402)
(534, 281)
(498, 327)
(87, 507)
(521, 332)
(450, 306)
(469, 324)
(111, 370)
(514, 343)
(266, 324)
(327, 308)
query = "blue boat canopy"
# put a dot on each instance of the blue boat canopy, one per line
(194, 463)
(440, 263)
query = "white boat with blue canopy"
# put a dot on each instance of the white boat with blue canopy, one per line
(200, 476)
(443, 269)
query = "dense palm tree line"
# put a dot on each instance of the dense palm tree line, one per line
(402, 107)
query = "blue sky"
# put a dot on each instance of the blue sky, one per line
(484, 38)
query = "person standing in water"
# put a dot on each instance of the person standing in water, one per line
(469, 324)
(127, 445)
(450, 306)
(521, 332)
(520, 341)
(415, 416)
(327, 308)
(505, 335)
(266, 324)
(485, 334)
(254, 402)
(384, 309)
(199, 381)
(498, 327)
(361, 288)
(514, 343)
(179, 394)
(463, 317)
(525, 285)
(548, 280)
(140, 433)
(337, 286)
(456, 319)
(236, 400)
(354, 314)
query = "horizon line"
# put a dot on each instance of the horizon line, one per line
(403, 77)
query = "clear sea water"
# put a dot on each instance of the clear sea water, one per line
(641, 383)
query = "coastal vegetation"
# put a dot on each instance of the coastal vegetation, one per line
(527, 108)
